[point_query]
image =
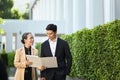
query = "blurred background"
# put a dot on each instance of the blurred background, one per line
(71, 16)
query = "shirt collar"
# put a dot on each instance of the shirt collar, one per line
(27, 48)
(54, 40)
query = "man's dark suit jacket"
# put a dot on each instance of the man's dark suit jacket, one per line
(3, 71)
(64, 58)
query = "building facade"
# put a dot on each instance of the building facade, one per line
(68, 15)
(15, 28)
(76, 14)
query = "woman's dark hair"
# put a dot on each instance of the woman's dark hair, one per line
(24, 36)
(52, 27)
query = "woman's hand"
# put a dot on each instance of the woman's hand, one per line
(28, 62)
(41, 68)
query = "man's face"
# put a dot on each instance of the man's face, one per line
(51, 34)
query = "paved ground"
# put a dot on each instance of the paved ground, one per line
(13, 72)
(11, 78)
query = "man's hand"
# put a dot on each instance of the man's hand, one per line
(41, 68)
(43, 78)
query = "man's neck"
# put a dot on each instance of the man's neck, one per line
(54, 39)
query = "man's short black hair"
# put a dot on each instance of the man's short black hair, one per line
(52, 27)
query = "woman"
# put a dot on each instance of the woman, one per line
(24, 72)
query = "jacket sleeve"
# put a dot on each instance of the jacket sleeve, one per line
(18, 63)
(68, 58)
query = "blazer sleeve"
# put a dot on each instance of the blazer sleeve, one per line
(68, 58)
(18, 63)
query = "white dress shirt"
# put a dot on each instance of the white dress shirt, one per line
(53, 46)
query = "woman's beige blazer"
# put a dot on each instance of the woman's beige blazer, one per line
(19, 62)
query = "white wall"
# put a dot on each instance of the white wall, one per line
(69, 15)
(77, 14)
(117, 9)
(21, 26)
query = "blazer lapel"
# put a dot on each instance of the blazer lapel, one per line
(57, 47)
(23, 53)
(48, 48)
(32, 51)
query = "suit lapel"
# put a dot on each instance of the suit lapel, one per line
(23, 52)
(32, 51)
(57, 47)
(48, 48)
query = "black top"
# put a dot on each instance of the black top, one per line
(28, 51)
(28, 70)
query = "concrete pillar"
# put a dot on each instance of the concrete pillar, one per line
(53, 9)
(117, 9)
(33, 13)
(109, 10)
(8, 45)
(48, 10)
(36, 12)
(59, 9)
(79, 11)
(94, 13)
(89, 13)
(68, 16)
(19, 37)
(42, 9)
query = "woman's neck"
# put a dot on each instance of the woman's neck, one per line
(27, 46)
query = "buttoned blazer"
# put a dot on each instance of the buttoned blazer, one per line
(63, 55)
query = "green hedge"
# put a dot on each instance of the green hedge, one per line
(11, 59)
(38, 47)
(4, 57)
(8, 58)
(96, 52)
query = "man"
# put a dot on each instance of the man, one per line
(59, 48)
(3, 70)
